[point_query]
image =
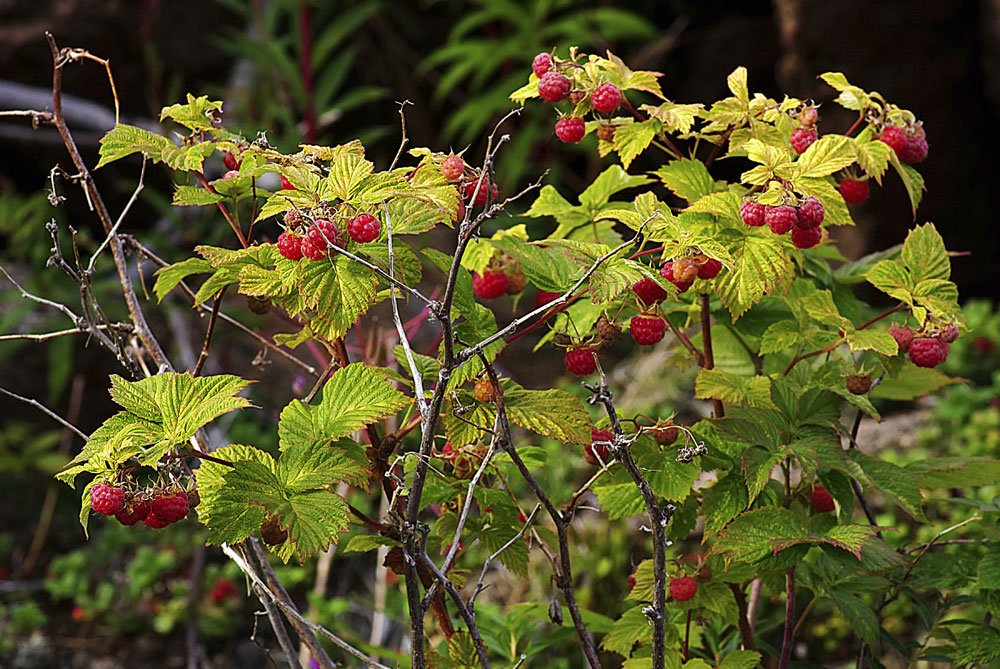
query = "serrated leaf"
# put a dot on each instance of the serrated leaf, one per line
(630, 629)
(761, 263)
(872, 340)
(954, 472)
(873, 157)
(894, 480)
(552, 413)
(124, 140)
(924, 254)
(825, 156)
(346, 176)
(194, 196)
(363, 543)
(741, 659)
(892, 279)
(609, 182)
(195, 114)
(227, 522)
(632, 139)
(168, 278)
(737, 83)
(688, 179)
(859, 614)
(911, 382)
(620, 499)
(754, 391)
(723, 502)
(912, 180)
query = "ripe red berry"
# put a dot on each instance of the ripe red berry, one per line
(781, 219)
(286, 184)
(903, 336)
(570, 129)
(171, 508)
(133, 513)
(915, 149)
(553, 87)
(984, 346)
(667, 272)
(363, 228)
(543, 297)
(894, 136)
(313, 252)
(752, 213)
(599, 448)
(811, 213)
(453, 167)
(647, 330)
(580, 361)
(649, 292)
(106, 499)
(521, 518)
(821, 500)
(541, 64)
(223, 591)
(154, 521)
(631, 579)
(485, 192)
(949, 334)
(803, 138)
(854, 191)
(682, 589)
(928, 351)
(606, 98)
(230, 161)
(710, 269)
(806, 238)
(321, 234)
(489, 285)
(290, 246)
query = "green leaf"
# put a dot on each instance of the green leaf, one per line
(363, 543)
(761, 263)
(894, 480)
(912, 180)
(723, 502)
(911, 382)
(196, 114)
(227, 521)
(168, 278)
(977, 646)
(194, 196)
(688, 179)
(552, 413)
(741, 659)
(892, 279)
(610, 181)
(630, 629)
(873, 156)
(860, 614)
(620, 499)
(124, 140)
(954, 472)
(924, 254)
(754, 391)
(632, 139)
(872, 340)
(737, 82)
(825, 156)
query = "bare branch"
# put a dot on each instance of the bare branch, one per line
(121, 217)
(48, 412)
(41, 300)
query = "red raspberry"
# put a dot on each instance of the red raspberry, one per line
(570, 129)
(489, 285)
(313, 252)
(106, 499)
(599, 448)
(806, 238)
(631, 579)
(915, 149)
(223, 591)
(286, 184)
(154, 521)
(230, 161)
(521, 518)
(290, 246)
(811, 213)
(802, 139)
(649, 292)
(647, 330)
(667, 272)
(854, 191)
(133, 513)
(683, 588)
(459, 211)
(665, 433)
(543, 297)
(984, 346)
(541, 64)
(581, 361)
(321, 234)
(858, 384)
(553, 87)
(606, 98)
(894, 136)
(928, 352)
(516, 283)
(821, 500)
(363, 228)
(710, 269)
(486, 192)
(781, 219)
(170, 508)
(752, 213)
(949, 334)
(903, 336)
(447, 450)
(453, 167)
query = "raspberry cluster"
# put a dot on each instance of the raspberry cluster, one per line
(802, 220)
(314, 236)
(465, 460)
(555, 85)
(502, 276)
(927, 347)
(909, 141)
(155, 507)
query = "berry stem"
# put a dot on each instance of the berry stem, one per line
(683, 339)
(857, 122)
(789, 633)
(826, 349)
(222, 208)
(708, 361)
(645, 253)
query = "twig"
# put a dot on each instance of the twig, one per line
(418, 381)
(743, 620)
(46, 336)
(789, 633)
(498, 552)
(209, 331)
(48, 412)
(121, 217)
(41, 300)
(403, 140)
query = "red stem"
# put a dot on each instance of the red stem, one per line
(222, 208)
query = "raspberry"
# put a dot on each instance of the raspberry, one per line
(363, 228)
(259, 306)
(854, 191)
(667, 272)
(580, 361)
(894, 136)
(949, 334)
(553, 87)
(821, 500)
(541, 64)
(570, 129)
(286, 184)
(489, 285)
(859, 384)
(806, 238)
(803, 138)
(290, 246)
(223, 591)
(459, 211)
(631, 579)
(811, 213)
(915, 149)
(230, 161)
(599, 448)
(486, 192)
(133, 513)
(231, 174)
(606, 132)
(521, 518)
(606, 98)
(607, 330)
(321, 234)
(928, 352)
(752, 213)
(649, 292)
(106, 499)
(683, 588)
(453, 167)
(516, 283)
(170, 508)
(293, 218)
(447, 450)
(710, 269)
(665, 433)
(272, 532)
(903, 336)
(484, 391)
(313, 252)
(809, 116)
(543, 297)
(685, 270)
(154, 521)
(647, 330)
(781, 219)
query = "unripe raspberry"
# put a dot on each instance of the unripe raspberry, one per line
(811, 213)
(647, 330)
(364, 228)
(231, 162)
(599, 448)
(858, 384)
(272, 532)
(894, 136)
(781, 219)
(485, 192)
(752, 213)
(686, 269)
(259, 306)
(570, 129)
(541, 64)
(606, 132)
(710, 269)
(607, 330)
(576, 97)
(806, 238)
(808, 116)
(803, 138)
(649, 292)
(667, 272)
(133, 513)
(665, 433)
(682, 589)
(106, 499)
(453, 167)
(580, 361)
(516, 283)
(543, 297)
(170, 508)
(606, 98)
(553, 87)
(949, 334)
(928, 352)
(821, 500)
(286, 184)
(854, 191)
(915, 149)
(489, 285)
(290, 246)
(484, 391)
(903, 336)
